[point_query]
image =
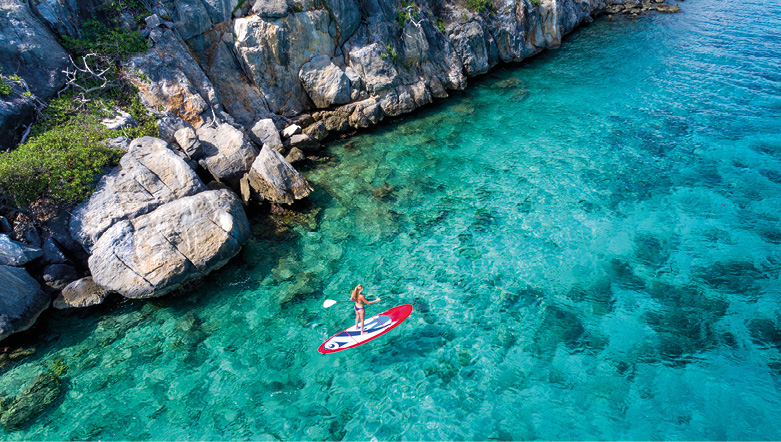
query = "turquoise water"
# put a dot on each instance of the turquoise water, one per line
(590, 241)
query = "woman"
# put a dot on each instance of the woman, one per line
(360, 303)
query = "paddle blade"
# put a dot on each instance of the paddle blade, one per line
(328, 303)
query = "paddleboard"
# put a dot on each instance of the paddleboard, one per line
(373, 327)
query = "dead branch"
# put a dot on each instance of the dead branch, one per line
(73, 78)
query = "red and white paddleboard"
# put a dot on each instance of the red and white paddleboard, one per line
(373, 327)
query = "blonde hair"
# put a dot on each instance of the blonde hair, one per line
(354, 294)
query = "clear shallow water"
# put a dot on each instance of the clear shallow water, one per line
(590, 241)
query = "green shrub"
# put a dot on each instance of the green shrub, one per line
(479, 5)
(5, 88)
(406, 11)
(536, 3)
(111, 41)
(392, 53)
(441, 25)
(66, 152)
(402, 16)
(61, 164)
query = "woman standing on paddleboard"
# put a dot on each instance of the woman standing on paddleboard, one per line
(360, 305)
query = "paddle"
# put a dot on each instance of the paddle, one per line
(329, 302)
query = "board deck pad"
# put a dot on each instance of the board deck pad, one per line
(373, 327)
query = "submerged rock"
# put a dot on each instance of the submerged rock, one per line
(21, 300)
(182, 240)
(275, 180)
(13, 253)
(80, 293)
(32, 400)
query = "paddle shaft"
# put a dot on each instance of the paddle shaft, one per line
(351, 300)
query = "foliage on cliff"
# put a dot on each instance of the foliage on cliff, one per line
(480, 5)
(66, 151)
(63, 159)
(5, 88)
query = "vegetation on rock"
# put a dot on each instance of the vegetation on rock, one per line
(66, 151)
(441, 25)
(479, 6)
(406, 11)
(392, 53)
(5, 88)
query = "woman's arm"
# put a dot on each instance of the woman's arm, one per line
(370, 302)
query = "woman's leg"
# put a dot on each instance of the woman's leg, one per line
(362, 314)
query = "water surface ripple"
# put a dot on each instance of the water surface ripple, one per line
(590, 241)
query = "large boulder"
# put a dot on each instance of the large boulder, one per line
(30, 50)
(149, 175)
(227, 153)
(21, 300)
(325, 82)
(182, 240)
(80, 293)
(375, 67)
(13, 253)
(275, 180)
(272, 52)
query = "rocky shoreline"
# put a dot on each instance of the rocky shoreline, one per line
(244, 91)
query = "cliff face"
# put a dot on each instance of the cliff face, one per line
(347, 63)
